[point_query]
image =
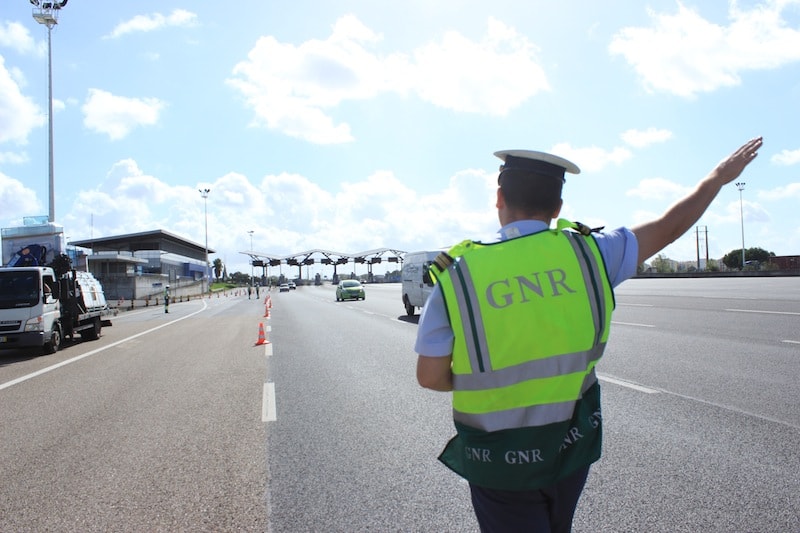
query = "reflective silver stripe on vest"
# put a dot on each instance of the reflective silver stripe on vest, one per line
(537, 415)
(540, 368)
(473, 332)
(593, 280)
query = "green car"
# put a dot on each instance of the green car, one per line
(349, 289)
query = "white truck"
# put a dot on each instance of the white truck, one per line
(40, 304)
(417, 282)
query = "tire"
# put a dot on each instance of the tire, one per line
(93, 333)
(55, 340)
(409, 308)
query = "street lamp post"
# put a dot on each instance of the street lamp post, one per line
(251, 257)
(204, 194)
(740, 185)
(48, 15)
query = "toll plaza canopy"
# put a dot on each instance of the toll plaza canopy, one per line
(326, 257)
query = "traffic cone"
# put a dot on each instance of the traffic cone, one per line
(262, 338)
(266, 312)
(269, 300)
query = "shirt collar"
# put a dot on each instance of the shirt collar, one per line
(520, 228)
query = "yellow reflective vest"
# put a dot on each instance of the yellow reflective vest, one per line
(531, 318)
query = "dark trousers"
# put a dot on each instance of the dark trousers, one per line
(547, 510)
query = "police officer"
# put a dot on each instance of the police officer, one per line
(515, 328)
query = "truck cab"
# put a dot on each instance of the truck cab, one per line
(30, 310)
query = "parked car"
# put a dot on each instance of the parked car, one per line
(292, 286)
(349, 289)
(283, 287)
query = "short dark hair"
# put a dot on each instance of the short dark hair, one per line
(530, 193)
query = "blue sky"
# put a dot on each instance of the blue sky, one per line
(356, 125)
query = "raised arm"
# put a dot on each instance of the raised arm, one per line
(653, 236)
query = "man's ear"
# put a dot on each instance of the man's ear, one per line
(501, 201)
(558, 209)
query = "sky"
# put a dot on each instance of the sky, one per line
(362, 124)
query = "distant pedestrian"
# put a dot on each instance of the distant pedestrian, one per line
(514, 329)
(166, 299)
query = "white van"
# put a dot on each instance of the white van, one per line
(417, 282)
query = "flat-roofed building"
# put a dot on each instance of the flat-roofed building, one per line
(139, 266)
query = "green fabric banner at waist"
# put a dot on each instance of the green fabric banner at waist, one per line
(531, 457)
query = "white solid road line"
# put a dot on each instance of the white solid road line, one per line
(627, 384)
(93, 352)
(763, 312)
(632, 324)
(268, 410)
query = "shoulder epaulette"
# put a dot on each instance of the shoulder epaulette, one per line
(442, 261)
(586, 230)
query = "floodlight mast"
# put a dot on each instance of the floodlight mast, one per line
(740, 185)
(252, 258)
(47, 14)
(204, 194)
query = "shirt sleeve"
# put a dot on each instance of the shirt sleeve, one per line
(620, 251)
(434, 334)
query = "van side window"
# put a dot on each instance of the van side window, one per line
(426, 276)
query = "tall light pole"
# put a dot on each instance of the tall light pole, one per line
(48, 15)
(740, 185)
(204, 194)
(251, 257)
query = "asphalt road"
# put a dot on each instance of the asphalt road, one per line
(180, 422)
(156, 428)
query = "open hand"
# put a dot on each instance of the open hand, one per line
(729, 169)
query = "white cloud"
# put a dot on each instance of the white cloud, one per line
(18, 114)
(288, 213)
(787, 192)
(786, 157)
(16, 200)
(14, 158)
(642, 138)
(752, 211)
(156, 21)
(294, 88)
(289, 87)
(685, 54)
(17, 37)
(657, 189)
(592, 159)
(116, 116)
(493, 76)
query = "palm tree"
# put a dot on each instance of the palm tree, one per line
(217, 268)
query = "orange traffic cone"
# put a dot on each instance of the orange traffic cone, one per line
(262, 338)
(266, 312)
(269, 301)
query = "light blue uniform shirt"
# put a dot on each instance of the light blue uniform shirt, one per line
(618, 247)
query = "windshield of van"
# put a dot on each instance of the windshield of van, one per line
(18, 289)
